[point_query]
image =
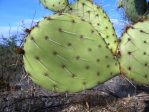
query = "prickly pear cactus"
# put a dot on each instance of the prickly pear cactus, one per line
(77, 48)
(54, 5)
(64, 53)
(134, 9)
(134, 49)
(85, 9)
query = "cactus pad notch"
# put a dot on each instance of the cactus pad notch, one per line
(134, 49)
(64, 53)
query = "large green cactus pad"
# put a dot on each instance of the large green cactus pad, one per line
(64, 53)
(54, 5)
(98, 18)
(135, 52)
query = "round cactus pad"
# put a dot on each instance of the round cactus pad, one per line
(64, 53)
(54, 5)
(134, 49)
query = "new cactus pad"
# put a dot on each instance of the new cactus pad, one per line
(134, 49)
(98, 18)
(64, 53)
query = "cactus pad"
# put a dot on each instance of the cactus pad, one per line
(64, 53)
(54, 5)
(134, 9)
(98, 18)
(135, 52)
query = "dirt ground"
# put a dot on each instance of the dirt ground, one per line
(112, 96)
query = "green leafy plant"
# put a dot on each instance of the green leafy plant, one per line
(76, 48)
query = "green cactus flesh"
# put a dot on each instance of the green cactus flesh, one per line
(134, 9)
(98, 18)
(135, 52)
(54, 5)
(64, 53)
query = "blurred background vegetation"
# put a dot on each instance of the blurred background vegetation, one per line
(10, 62)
